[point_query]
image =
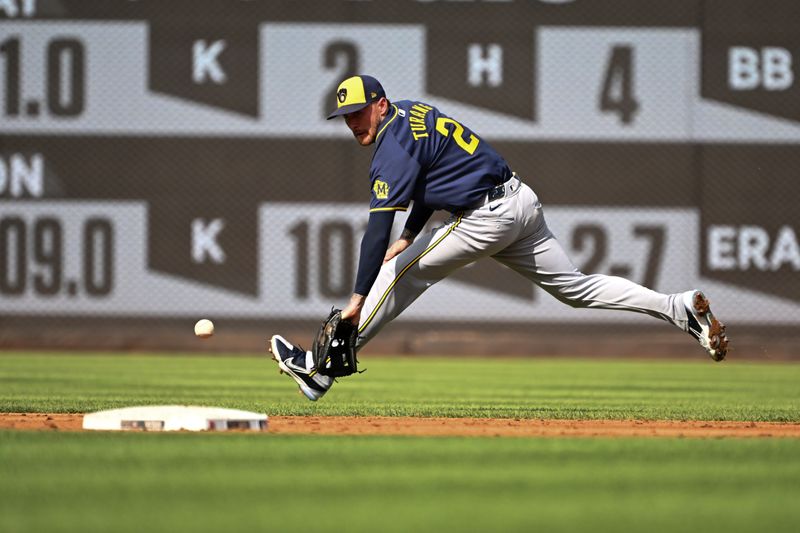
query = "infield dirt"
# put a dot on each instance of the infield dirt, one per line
(462, 427)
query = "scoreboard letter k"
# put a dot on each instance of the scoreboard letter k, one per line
(204, 241)
(205, 62)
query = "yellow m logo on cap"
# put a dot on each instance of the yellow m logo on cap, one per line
(353, 91)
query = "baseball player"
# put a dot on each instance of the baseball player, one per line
(429, 161)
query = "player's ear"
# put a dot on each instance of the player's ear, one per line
(383, 105)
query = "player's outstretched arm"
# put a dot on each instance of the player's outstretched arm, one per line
(373, 247)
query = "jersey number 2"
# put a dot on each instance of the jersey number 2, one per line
(458, 134)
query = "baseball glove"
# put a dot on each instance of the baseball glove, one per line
(334, 348)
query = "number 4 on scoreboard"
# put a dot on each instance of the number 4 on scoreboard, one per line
(616, 94)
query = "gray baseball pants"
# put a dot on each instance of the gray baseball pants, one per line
(511, 230)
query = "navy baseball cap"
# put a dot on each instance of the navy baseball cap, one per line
(356, 93)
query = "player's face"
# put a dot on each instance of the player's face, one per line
(364, 123)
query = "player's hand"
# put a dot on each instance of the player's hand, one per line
(396, 248)
(352, 312)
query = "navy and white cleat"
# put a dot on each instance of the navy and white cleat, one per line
(300, 366)
(704, 326)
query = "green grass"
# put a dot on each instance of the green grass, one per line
(192, 482)
(100, 482)
(518, 388)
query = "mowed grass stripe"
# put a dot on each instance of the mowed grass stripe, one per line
(233, 482)
(423, 386)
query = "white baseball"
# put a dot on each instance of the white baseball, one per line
(204, 328)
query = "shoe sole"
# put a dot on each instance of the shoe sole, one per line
(718, 339)
(283, 369)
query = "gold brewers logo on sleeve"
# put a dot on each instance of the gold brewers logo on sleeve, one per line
(381, 190)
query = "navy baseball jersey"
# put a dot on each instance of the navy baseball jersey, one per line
(423, 155)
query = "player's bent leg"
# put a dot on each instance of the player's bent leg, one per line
(299, 365)
(430, 258)
(402, 280)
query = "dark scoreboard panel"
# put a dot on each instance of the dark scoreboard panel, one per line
(160, 156)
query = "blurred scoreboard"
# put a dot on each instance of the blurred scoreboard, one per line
(165, 158)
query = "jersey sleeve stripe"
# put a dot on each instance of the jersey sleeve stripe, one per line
(402, 272)
(396, 111)
(376, 209)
